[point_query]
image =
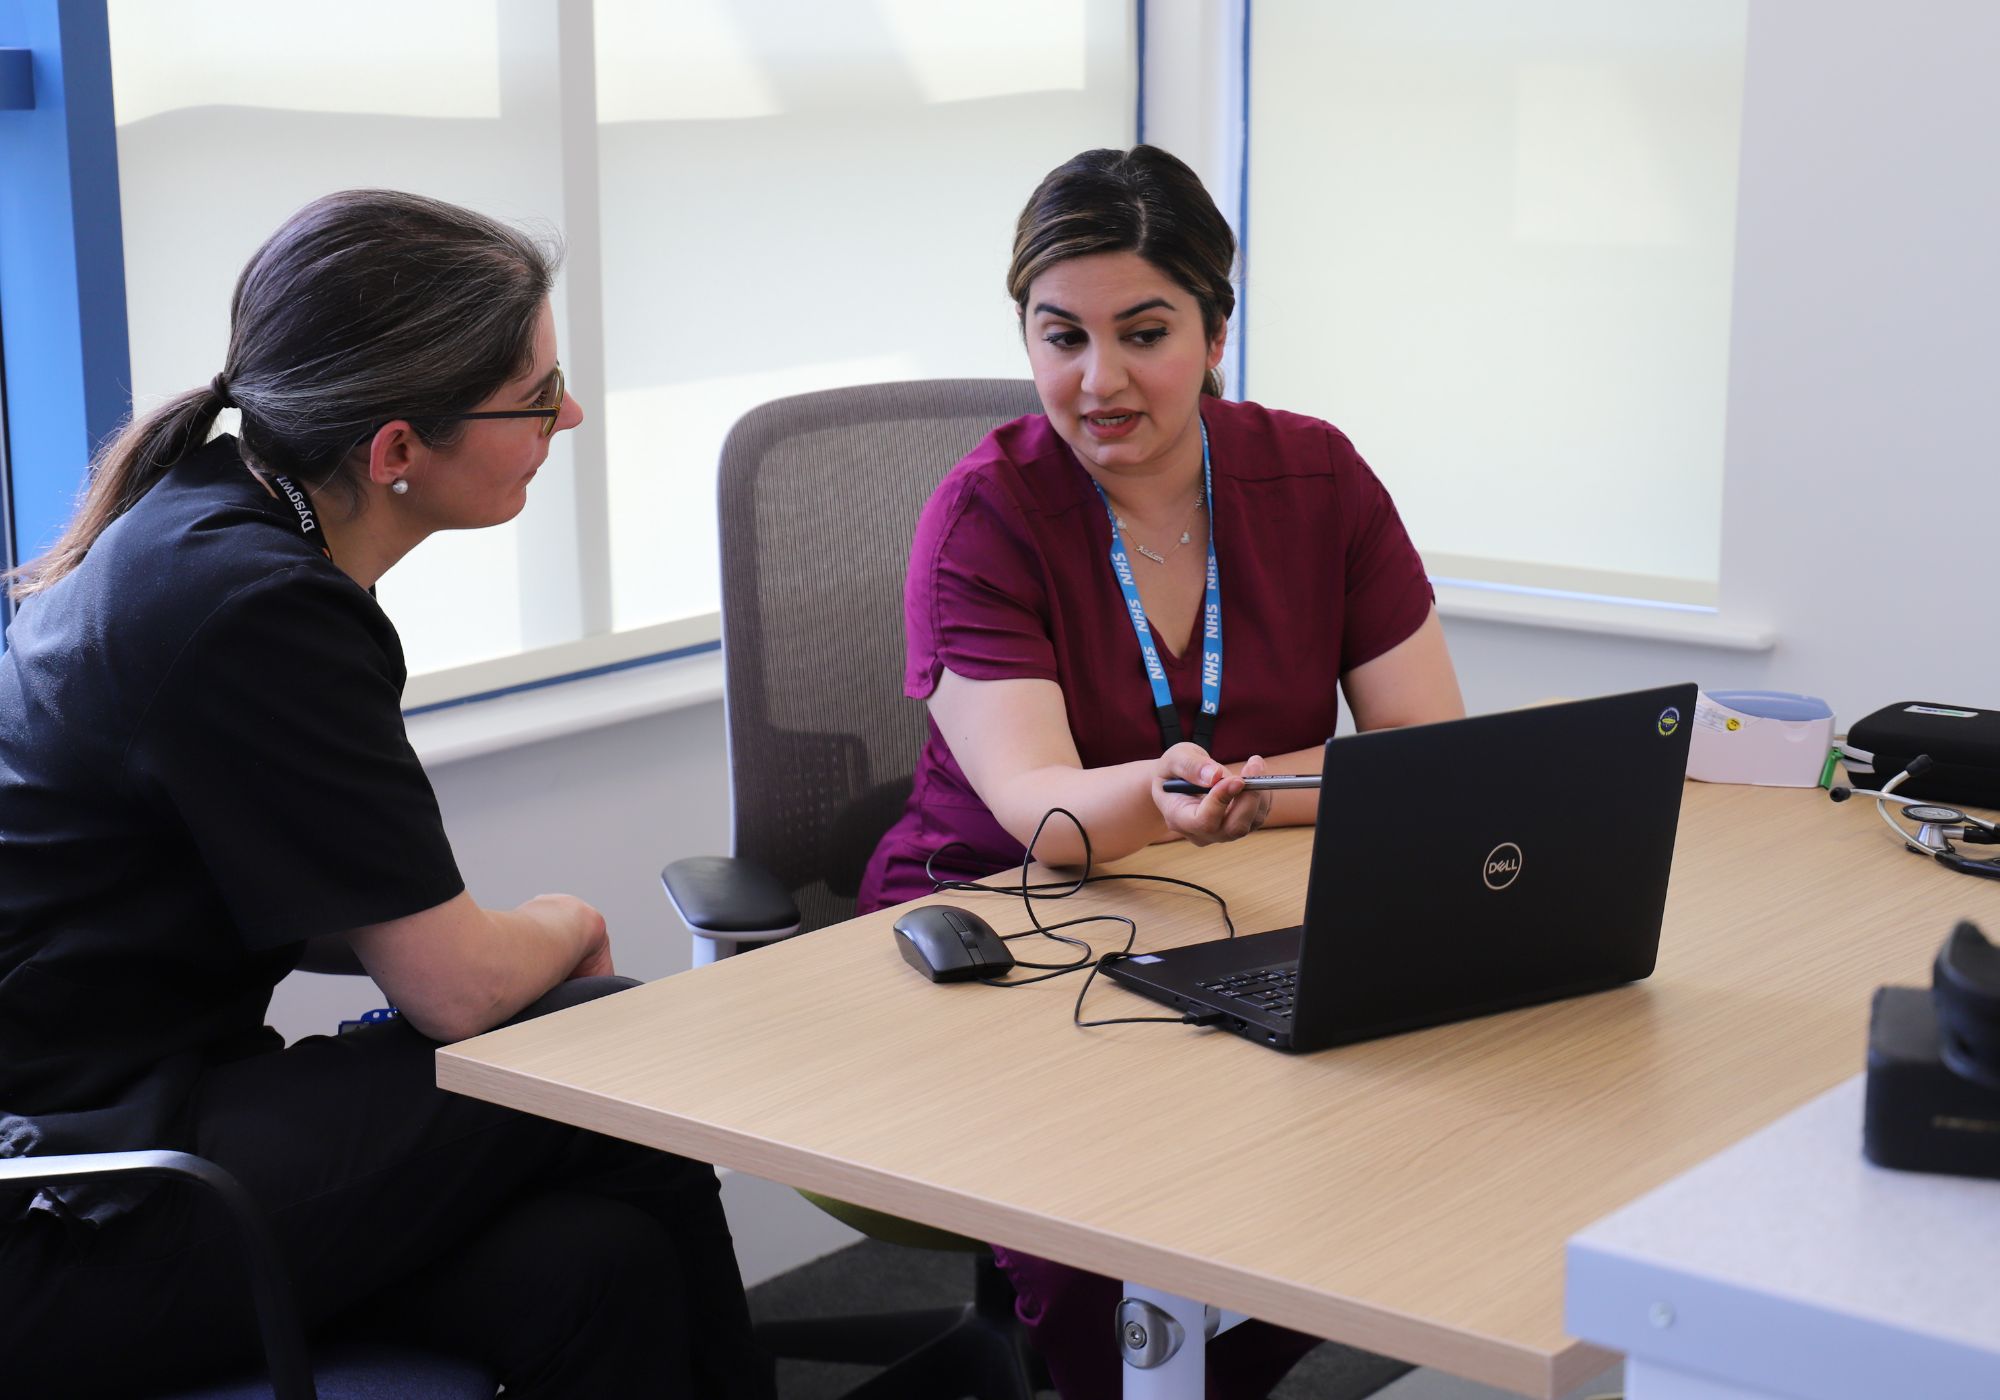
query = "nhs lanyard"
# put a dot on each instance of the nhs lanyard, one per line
(1211, 625)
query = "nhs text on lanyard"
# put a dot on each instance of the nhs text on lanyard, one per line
(1211, 625)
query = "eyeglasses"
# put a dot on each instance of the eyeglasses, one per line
(548, 415)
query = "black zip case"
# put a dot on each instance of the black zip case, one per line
(1963, 743)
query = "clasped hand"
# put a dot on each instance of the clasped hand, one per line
(1226, 813)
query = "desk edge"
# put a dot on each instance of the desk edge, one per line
(1523, 1369)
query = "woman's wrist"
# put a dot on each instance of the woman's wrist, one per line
(1114, 805)
(1147, 802)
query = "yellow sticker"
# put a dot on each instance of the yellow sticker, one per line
(1733, 724)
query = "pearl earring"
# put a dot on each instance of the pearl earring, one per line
(400, 487)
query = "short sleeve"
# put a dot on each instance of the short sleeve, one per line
(976, 598)
(277, 742)
(1388, 595)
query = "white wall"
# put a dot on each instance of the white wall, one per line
(1859, 472)
(1864, 364)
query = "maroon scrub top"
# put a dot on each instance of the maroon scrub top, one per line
(1010, 577)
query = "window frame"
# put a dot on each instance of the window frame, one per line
(76, 36)
(65, 215)
(9, 553)
(65, 365)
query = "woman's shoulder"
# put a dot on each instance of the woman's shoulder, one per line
(1252, 441)
(205, 543)
(213, 525)
(1020, 470)
(993, 516)
(189, 585)
(1021, 458)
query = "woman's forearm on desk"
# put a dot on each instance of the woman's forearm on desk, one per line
(1115, 805)
(459, 969)
(1013, 742)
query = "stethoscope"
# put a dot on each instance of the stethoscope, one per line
(1937, 825)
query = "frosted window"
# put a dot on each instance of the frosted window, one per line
(233, 115)
(798, 196)
(787, 196)
(1495, 244)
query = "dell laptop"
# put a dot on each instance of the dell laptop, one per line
(1459, 869)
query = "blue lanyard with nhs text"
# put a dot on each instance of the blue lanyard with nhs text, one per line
(1211, 625)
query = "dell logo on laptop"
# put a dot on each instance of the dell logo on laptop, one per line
(1503, 865)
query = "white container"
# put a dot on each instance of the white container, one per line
(1769, 738)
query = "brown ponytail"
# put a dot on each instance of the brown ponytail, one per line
(125, 469)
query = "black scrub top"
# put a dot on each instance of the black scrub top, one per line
(202, 764)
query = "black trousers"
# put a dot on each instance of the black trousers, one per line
(569, 1263)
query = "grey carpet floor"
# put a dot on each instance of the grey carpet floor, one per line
(872, 1277)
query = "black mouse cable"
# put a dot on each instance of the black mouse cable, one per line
(1094, 962)
(1048, 931)
(1060, 889)
(1131, 934)
(1063, 890)
(1048, 889)
(1192, 1018)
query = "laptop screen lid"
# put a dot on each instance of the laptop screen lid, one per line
(1481, 864)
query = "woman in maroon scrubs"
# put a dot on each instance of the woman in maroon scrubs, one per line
(1073, 582)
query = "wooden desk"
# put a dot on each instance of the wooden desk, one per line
(1411, 1195)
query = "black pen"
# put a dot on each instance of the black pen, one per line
(1269, 782)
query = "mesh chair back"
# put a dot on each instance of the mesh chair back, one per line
(819, 499)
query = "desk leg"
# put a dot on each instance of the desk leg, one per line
(1164, 1340)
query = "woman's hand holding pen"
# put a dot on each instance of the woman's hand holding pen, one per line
(1225, 813)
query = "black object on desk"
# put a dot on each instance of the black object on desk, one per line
(949, 944)
(1933, 1099)
(1963, 743)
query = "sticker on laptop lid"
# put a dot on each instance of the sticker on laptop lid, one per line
(1940, 710)
(1670, 720)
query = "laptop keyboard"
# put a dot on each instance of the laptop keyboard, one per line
(1269, 989)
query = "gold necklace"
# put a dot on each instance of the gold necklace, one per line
(1187, 532)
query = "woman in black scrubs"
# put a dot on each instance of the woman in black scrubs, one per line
(204, 780)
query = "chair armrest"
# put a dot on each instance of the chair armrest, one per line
(730, 901)
(270, 1285)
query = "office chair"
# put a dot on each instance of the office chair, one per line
(339, 1371)
(819, 496)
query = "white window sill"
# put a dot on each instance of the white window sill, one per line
(481, 727)
(1653, 624)
(571, 707)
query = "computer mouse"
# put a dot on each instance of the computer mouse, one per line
(949, 944)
